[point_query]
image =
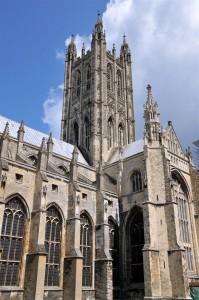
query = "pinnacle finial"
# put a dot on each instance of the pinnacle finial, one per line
(6, 130)
(98, 17)
(124, 39)
(21, 127)
(50, 139)
(149, 93)
(43, 145)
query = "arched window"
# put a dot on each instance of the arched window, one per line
(120, 134)
(119, 84)
(110, 133)
(136, 178)
(12, 242)
(52, 246)
(109, 78)
(76, 133)
(78, 82)
(135, 246)
(86, 133)
(113, 248)
(88, 77)
(63, 170)
(181, 198)
(34, 159)
(86, 249)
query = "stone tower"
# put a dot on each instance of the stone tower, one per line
(98, 114)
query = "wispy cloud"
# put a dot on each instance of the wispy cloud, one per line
(79, 41)
(60, 54)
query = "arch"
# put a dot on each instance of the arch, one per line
(181, 178)
(33, 158)
(120, 134)
(110, 132)
(21, 198)
(86, 247)
(12, 237)
(76, 133)
(114, 249)
(63, 169)
(59, 210)
(52, 245)
(119, 83)
(135, 244)
(109, 77)
(137, 182)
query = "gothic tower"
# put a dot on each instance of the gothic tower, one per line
(98, 114)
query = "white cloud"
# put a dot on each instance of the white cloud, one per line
(53, 110)
(79, 41)
(60, 54)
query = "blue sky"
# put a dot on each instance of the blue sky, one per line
(163, 36)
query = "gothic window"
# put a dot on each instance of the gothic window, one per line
(109, 78)
(62, 170)
(136, 178)
(86, 133)
(88, 77)
(119, 84)
(86, 249)
(181, 198)
(113, 248)
(33, 158)
(12, 242)
(78, 82)
(76, 133)
(110, 133)
(52, 246)
(120, 134)
(135, 245)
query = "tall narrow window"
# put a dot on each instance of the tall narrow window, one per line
(136, 243)
(181, 198)
(86, 133)
(110, 133)
(119, 84)
(113, 246)
(78, 82)
(136, 181)
(52, 245)
(12, 242)
(76, 133)
(88, 77)
(120, 134)
(86, 249)
(109, 78)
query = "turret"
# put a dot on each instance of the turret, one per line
(5, 141)
(125, 53)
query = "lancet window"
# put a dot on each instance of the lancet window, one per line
(12, 235)
(78, 82)
(86, 249)
(109, 78)
(136, 179)
(120, 134)
(113, 248)
(76, 133)
(86, 133)
(52, 246)
(119, 84)
(88, 77)
(110, 133)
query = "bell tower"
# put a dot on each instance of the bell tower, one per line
(97, 113)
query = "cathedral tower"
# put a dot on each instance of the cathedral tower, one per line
(98, 114)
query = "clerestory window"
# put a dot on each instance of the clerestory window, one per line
(12, 235)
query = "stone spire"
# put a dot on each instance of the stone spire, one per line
(125, 51)
(20, 132)
(72, 50)
(98, 32)
(4, 142)
(151, 115)
(83, 50)
(6, 132)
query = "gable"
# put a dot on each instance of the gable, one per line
(171, 141)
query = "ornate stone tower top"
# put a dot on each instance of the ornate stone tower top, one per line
(151, 115)
(98, 114)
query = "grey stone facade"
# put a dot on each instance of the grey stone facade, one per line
(97, 215)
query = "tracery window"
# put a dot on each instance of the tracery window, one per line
(109, 78)
(76, 133)
(86, 249)
(78, 82)
(183, 217)
(110, 133)
(136, 178)
(119, 84)
(88, 77)
(136, 244)
(12, 242)
(52, 246)
(113, 249)
(120, 134)
(86, 133)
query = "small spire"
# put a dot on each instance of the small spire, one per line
(6, 130)
(72, 39)
(43, 145)
(21, 127)
(149, 94)
(50, 139)
(124, 39)
(20, 132)
(75, 154)
(83, 49)
(98, 17)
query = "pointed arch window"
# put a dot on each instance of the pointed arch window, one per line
(110, 133)
(86, 249)
(113, 249)
(86, 133)
(78, 82)
(52, 246)
(135, 246)
(120, 134)
(88, 77)
(119, 84)
(136, 178)
(12, 235)
(181, 198)
(109, 78)
(76, 133)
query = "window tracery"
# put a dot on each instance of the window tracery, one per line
(136, 178)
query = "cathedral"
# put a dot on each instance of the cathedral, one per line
(97, 214)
